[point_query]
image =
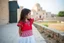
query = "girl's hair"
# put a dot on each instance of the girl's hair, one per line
(23, 14)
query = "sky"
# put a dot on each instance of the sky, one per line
(53, 6)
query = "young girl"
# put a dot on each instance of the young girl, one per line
(25, 27)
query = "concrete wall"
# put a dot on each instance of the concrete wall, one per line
(4, 12)
(51, 34)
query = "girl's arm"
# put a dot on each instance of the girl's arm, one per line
(20, 31)
(36, 19)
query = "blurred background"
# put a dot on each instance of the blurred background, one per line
(52, 12)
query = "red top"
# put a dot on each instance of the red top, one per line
(27, 25)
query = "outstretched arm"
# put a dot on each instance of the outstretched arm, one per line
(36, 19)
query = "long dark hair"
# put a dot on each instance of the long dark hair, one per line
(23, 14)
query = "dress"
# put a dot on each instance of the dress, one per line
(27, 34)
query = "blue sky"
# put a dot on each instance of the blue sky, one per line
(53, 6)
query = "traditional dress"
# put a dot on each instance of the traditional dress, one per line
(26, 29)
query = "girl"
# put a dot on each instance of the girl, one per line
(25, 27)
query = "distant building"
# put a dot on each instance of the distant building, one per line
(48, 14)
(37, 11)
(53, 15)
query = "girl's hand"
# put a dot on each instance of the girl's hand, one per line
(36, 18)
(20, 32)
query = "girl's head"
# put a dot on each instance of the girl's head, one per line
(25, 14)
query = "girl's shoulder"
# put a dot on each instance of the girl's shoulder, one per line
(31, 19)
(20, 23)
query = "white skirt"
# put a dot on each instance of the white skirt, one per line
(29, 39)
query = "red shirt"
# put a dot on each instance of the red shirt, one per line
(26, 26)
